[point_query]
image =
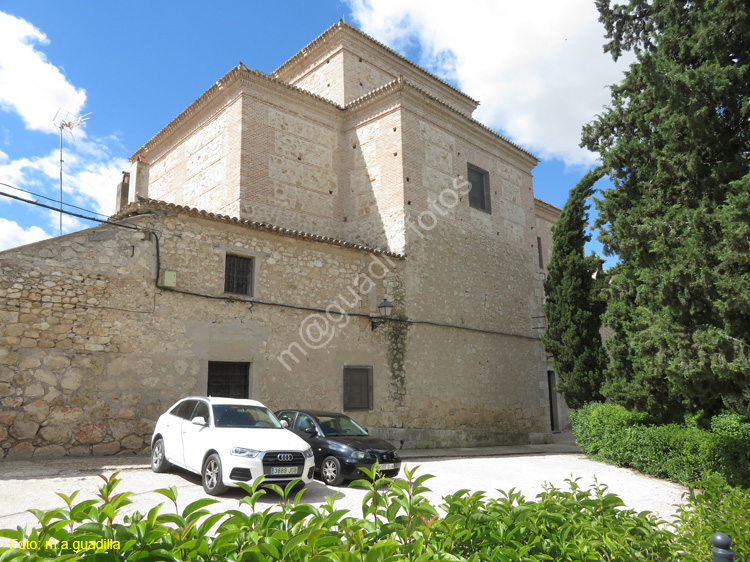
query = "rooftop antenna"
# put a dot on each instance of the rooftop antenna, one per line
(65, 121)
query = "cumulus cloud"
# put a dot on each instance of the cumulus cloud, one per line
(537, 67)
(12, 234)
(88, 183)
(29, 84)
(34, 88)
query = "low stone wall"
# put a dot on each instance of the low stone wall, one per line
(412, 438)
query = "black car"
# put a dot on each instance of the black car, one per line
(340, 445)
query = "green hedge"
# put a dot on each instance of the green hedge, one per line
(683, 453)
(399, 524)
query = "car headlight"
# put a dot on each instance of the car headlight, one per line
(395, 455)
(358, 455)
(308, 453)
(243, 452)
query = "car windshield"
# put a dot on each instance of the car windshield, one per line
(237, 415)
(340, 425)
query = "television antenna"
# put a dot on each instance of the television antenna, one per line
(65, 121)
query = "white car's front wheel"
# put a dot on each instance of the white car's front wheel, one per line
(212, 476)
(159, 462)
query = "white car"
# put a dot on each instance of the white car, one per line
(227, 441)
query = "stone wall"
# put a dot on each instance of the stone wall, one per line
(91, 351)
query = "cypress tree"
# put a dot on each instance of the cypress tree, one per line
(676, 142)
(573, 308)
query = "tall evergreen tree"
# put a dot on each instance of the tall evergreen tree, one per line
(573, 307)
(676, 140)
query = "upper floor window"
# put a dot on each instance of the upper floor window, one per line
(479, 194)
(238, 275)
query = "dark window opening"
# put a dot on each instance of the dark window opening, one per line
(238, 275)
(479, 193)
(539, 248)
(358, 388)
(228, 379)
(554, 414)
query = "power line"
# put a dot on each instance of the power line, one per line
(38, 204)
(51, 199)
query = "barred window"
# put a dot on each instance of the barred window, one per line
(238, 275)
(479, 193)
(357, 388)
(228, 379)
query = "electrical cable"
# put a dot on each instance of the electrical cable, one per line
(256, 301)
(51, 199)
(57, 210)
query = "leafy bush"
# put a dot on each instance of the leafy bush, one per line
(712, 505)
(599, 427)
(683, 453)
(399, 524)
(730, 424)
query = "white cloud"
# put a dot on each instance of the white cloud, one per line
(12, 234)
(29, 84)
(537, 67)
(88, 182)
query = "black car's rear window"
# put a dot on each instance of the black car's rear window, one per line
(340, 425)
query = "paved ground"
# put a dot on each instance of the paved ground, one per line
(29, 484)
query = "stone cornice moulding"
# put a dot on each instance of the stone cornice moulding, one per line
(313, 47)
(401, 84)
(239, 74)
(546, 210)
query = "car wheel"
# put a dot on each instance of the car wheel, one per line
(212, 477)
(159, 462)
(330, 471)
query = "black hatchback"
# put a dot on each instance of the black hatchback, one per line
(341, 446)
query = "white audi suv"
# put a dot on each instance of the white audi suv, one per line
(227, 441)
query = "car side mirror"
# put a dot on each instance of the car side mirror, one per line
(199, 420)
(285, 424)
(311, 430)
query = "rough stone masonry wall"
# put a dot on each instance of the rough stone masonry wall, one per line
(91, 352)
(62, 305)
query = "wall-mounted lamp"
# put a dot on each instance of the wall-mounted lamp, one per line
(385, 308)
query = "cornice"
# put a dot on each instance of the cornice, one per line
(547, 208)
(342, 26)
(402, 84)
(238, 74)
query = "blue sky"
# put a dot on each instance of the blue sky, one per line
(538, 70)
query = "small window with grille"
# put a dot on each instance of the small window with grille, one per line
(228, 379)
(479, 193)
(358, 388)
(238, 275)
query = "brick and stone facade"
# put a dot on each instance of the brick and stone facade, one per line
(342, 175)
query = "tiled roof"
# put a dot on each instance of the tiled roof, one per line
(144, 205)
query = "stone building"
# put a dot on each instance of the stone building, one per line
(255, 237)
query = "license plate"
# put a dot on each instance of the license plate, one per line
(284, 470)
(387, 466)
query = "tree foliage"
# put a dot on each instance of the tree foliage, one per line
(676, 140)
(573, 308)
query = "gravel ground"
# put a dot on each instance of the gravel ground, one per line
(28, 484)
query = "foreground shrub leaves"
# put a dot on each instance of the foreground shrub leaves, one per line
(399, 524)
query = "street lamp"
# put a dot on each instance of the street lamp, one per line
(385, 308)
